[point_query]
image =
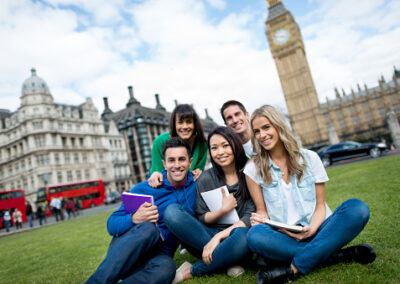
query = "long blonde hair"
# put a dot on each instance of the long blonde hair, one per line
(290, 143)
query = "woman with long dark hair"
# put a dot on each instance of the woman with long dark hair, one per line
(184, 123)
(287, 185)
(217, 243)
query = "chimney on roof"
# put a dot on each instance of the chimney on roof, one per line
(158, 104)
(176, 102)
(396, 73)
(105, 99)
(207, 116)
(107, 110)
(132, 99)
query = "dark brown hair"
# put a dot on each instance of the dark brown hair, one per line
(232, 103)
(238, 153)
(182, 112)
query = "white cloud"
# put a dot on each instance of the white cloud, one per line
(219, 4)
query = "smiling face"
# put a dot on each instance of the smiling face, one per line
(184, 127)
(236, 119)
(265, 133)
(221, 151)
(177, 163)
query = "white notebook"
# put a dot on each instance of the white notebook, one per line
(213, 199)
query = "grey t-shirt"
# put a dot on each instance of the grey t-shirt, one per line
(209, 181)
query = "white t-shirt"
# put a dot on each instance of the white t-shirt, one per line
(248, 148)
(293, 217)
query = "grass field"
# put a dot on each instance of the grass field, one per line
(69, 252)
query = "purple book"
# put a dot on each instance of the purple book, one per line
(132, 201)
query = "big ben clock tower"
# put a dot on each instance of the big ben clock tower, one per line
(301, 98)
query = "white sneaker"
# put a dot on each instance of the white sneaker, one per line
(179, 272)
(235, 271)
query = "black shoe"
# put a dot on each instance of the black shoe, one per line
(363, 254)
(275, 275)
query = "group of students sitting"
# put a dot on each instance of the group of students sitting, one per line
(268, 176)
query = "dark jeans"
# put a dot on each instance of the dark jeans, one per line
(339, 229)
(134, 258)
(194, 236)
(30, 219)
(7, 225)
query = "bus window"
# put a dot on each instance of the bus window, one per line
(16, 194)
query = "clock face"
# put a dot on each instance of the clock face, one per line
(281, 36)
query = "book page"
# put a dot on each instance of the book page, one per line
(213, 199)
(279, 225)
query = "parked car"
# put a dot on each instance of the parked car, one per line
(113, 197)
(350, 149)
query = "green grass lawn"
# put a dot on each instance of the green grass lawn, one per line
(69, 252)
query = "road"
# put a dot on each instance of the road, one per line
(362, 159)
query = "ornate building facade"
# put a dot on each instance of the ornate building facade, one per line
(49, 143)
(139, 126)
(360, 115)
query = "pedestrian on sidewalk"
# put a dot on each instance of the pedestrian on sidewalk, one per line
(17, 216)
(7, 220)
(29, 213)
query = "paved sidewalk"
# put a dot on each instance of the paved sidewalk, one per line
(52, 220)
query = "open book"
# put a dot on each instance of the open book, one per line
(279, 225)
(213, 199)
(132, 202)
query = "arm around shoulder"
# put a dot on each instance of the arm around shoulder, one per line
(156, 153)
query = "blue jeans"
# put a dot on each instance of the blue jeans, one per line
(194, 236)
(134, 257)
(339, 229)
(30, 219)
(7, 226)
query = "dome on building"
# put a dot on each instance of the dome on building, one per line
(34, 84)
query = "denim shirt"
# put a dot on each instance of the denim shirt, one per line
(304, 193)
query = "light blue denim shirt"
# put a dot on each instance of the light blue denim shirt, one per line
(304, 193)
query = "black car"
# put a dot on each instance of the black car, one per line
(348, 150)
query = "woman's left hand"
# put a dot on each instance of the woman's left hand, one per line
(209, 248)
(196, 173)
(307, 232)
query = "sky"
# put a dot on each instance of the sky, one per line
(201, 52)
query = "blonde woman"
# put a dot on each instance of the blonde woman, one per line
(287, 184)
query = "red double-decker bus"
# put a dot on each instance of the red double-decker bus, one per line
(11, 199)
(91, 193)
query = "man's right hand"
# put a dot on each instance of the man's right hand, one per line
(145, 213)
(156, 179)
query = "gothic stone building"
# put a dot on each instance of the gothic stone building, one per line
(360, 115)
(45, 143)
(139, 126)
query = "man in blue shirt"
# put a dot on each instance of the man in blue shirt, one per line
(142, 247)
